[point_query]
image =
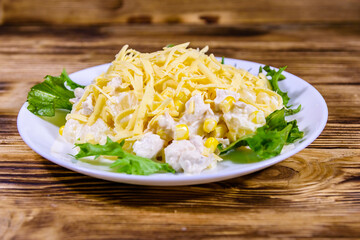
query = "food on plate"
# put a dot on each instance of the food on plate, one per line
(173, 110)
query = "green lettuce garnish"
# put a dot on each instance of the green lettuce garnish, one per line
(271, 72)
(289, 111)
(269, 140)
(53, 93)
(127, 162)
(275, 77)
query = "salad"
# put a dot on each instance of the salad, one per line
(174, 110)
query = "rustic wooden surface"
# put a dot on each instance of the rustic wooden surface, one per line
(178, 11)
(314, 195)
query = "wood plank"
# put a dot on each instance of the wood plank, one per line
(310, 172)
(314, 191)
(174, 11)
(122, 223)
(303, 48)
(1, 12)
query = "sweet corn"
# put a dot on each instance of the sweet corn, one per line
(209, 125)
(61, 130)
(227, 103)
(211, 143)
(179, 105)
(181, 132)
(219, 131)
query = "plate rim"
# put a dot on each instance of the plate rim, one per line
(183, 179)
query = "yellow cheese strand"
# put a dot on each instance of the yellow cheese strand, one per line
(97, 109)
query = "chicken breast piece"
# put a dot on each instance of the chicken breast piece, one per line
(148, 146)
(187, 155)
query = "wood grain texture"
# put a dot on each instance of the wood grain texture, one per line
(315, 194)
(175, 11)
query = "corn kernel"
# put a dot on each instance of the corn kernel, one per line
(211, 143)
(181, 132)
(227, 103)
(219, 131)
(61, 130)
(179, 105)
(209, 125)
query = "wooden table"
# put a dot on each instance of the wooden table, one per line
(315, 194)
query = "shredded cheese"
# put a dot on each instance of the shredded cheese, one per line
(163, 81)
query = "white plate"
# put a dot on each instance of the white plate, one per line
(41, 135)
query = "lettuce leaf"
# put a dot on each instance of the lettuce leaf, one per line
(126, 162)
(289, 111)
(275, 77)
(295, 133)
(269, 140)
(53, 93)
(271, 72)
(268, 143)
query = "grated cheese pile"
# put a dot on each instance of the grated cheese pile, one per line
(173, 105)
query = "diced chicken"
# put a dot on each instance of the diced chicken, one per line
(196, 111)
(198, 142)
(121, 101)
(97, 133)
(167, 124)
(87, 105)
(148, 146)
(187, 155)
(114, 84)
(78, 92)
(221, 94)
(239, 117)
